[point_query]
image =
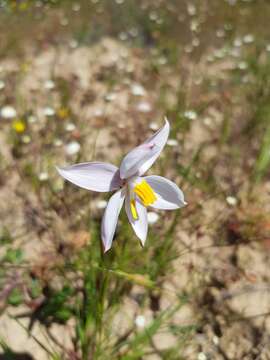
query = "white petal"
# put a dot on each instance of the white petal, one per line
(135, 159)
(159, 139)
(95, 176)
(140, 226)
(140, 159)
(110, 218)
(169, 196)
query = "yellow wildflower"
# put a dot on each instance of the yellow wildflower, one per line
(63, 113)
(19, 126)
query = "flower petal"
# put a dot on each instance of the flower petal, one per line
(140, 159)
(110, 218)
(95, 176)
(159, 139)
(135, 159)
(169, 196)
(140, 226)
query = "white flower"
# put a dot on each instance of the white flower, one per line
(231, 200)
(153, 126)
(144, 107)
(49, 85)
(101, 204)
(43, 176)
(152, 217)
(70, 127)
(190, 114)
(248, 39)
(73, 148)
(131, 187)
(137, 90)
(48, 111)
(140, 321)
(2, 84)
(172, 142)
(32, 119)
(8, 112)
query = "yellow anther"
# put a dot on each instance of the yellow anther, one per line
(133, 209)
(145, 193)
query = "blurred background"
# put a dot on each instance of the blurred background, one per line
(89, 80)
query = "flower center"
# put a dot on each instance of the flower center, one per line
(145, 193)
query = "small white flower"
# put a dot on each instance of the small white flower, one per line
(231, 200)
(153, 126)
(43, 176)
(73, 148)
(73, 44)
(49, 85)
(70, 127)
(138, 192)
(8, 112)
(220, 33)
(242, 65)
(191, 9)
(202, 356)
(101, 204)
(76, 7)
(190, 114)
(248, 39)
(110, 97)
(98, 112)
(26, 139)
(2, 85)
(172, 142)
(238, 42)
(32, 119)
(137, 90)
(48, 111)
(152, 217)
(58, 142)
(144, 107)
(140, 321)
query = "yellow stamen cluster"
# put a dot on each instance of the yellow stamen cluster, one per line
(145, 193)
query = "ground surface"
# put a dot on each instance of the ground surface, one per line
(90, 82)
